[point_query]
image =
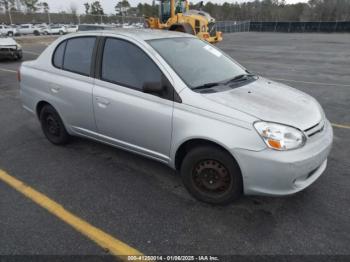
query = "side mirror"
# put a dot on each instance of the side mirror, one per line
(153, 87)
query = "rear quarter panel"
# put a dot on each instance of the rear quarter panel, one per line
(34, 87)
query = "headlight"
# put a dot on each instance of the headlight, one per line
(280, 137)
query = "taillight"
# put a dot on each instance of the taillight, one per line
(19, 75)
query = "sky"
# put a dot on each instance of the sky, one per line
(108, 5)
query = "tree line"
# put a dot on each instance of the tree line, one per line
(279, 10)
(258, 10)
(30, 6)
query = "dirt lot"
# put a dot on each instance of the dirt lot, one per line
(144, 204)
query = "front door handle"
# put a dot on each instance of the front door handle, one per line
(102, 102)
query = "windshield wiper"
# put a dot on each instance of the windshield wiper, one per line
(241, 77)
(207, 85)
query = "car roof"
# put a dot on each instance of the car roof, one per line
(141, 34)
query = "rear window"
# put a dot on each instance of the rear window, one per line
(58, 56)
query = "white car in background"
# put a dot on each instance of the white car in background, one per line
(28, 29)
(9, 48)
(55, 30)
(72, 28)
(127, 25)
(7, 30)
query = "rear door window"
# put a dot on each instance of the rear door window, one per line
(78, 55)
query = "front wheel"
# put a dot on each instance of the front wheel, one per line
(212, 175)
(18, 56)
(10, 34)
(52, 126)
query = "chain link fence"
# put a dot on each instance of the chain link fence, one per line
(301, 27)
(286, 27)
(233, 26)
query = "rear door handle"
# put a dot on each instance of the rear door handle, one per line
(102, 102)
(54, 88)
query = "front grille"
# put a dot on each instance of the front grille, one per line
(8, 48)
(313, 130)
(212, 29)
(197, 26)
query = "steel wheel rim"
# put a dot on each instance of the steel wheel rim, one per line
(52, 125)
(211, 177)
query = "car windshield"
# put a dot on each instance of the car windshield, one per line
(195, 61)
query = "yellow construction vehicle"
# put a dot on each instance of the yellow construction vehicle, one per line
(176, 16)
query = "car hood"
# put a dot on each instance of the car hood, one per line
(7, 41)
(272, 101)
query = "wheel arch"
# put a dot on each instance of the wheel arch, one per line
(185, 28)
(39, 107)
(187, 145)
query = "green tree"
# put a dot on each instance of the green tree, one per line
(96, 8)
(147, 10)
(7, 4)
(44, 6)
(122, 7)
(87, 8)
(31, 5)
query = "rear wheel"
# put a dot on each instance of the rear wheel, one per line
(52, 126)
(212, 175)
(10, 34)
(61, 32)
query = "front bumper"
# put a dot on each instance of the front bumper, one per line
(10, 53)
(276, 173)
(211, 38)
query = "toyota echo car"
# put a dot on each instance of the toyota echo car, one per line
(176, 99)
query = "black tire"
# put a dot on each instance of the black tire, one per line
(10, 34)
(61, 32)
(212, 175)
(36, 33)
(52, 126)
(18, 57)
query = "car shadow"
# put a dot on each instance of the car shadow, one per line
(8, 60)
(170, 179)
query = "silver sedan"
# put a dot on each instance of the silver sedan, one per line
(174, 98)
